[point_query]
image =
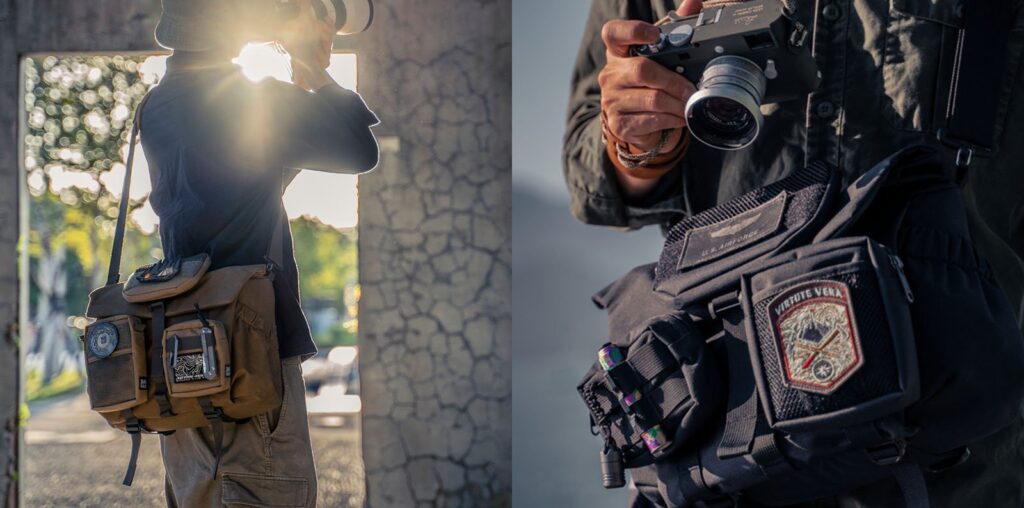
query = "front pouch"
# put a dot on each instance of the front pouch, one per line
(197, 357)
(655, 395)
(831, 342)
(115, 363)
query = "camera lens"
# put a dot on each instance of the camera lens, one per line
(726, 110)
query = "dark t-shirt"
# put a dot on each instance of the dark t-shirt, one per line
(221, 150)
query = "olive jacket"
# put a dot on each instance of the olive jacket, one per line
(885, 67)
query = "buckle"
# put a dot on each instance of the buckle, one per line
(965, 149)
(951, 462)
(133, 427)
(887, 454)
(212, 413)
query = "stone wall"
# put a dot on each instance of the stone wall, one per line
(434, 253)
(435, 316)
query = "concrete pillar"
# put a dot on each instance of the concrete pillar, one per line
(435, 316)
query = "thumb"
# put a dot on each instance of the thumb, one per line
(689, 7)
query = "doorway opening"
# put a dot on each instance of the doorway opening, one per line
(75, 126)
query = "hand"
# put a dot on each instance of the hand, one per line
(308, 40)
(639, 97)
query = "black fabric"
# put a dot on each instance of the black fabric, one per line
(978, 73)
(218, 145)
(901, 228)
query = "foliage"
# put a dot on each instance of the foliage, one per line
(67, 381)
(327, 275)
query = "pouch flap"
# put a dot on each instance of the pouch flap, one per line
(912, 163)
(216, 289)
(707, 249)
(165, 279)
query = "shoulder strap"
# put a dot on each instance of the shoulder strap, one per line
(113, 272)
(978, 72)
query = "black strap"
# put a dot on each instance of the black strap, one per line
(912, 483)
(743, 404)
(134, 429)
(113, 272)
(215, 416)
(156, 355)
(978, 72)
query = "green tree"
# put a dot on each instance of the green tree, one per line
(78, 118)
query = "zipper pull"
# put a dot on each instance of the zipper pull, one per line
(613, 471)
(897, 263)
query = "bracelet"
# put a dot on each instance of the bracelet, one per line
(641, 160)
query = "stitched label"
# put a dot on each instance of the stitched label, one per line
(717, 240)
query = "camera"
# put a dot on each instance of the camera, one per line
(740, 56)
(348, 16)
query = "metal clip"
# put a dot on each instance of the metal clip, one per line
(963, 156)
(209, 353)
(174, 351)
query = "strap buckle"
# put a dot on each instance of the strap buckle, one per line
(887, 454)
(965, 150)
(133, 427)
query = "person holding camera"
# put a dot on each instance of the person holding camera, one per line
(631, 159)
(221, 151)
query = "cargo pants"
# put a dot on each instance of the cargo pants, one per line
(267, 461)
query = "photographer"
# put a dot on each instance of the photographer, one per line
(221, 151)
(883, 87)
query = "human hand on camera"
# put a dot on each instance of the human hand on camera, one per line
(639, 97)
(308, 40)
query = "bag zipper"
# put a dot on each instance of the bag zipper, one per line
(897, 263)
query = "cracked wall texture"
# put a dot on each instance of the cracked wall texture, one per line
(435, 315)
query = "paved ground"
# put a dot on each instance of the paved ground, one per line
(72, 459)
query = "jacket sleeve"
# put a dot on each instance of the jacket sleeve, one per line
(325, 130)
(596, 197)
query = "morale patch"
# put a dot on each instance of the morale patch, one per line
(715, 241)
(816, 336)
(102, 340)
(189, 367)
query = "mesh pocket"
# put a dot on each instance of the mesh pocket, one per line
(115, 364)
(832, 337)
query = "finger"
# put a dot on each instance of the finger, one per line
(637, 127)
(644, 100)
(689, 7)
(641, 72)
(620, 34)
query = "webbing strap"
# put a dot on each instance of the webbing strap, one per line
(156, 365)
(135, 432)
(978, 71)
(113, 271)
(650, 360)
(741, 418)
(911, 481)
(216, 418)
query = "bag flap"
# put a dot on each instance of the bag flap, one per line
(911, 164)
(708, 248)
(165, 279)
(216, 289)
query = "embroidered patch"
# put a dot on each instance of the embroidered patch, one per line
(189, 367)
(102, 340)
(816, 336)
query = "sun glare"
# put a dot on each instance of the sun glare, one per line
(328, 197)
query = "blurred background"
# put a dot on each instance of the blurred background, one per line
(559, 264)
(78, 111)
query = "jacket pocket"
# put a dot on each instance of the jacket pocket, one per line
(239, 490)
(919, 40)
